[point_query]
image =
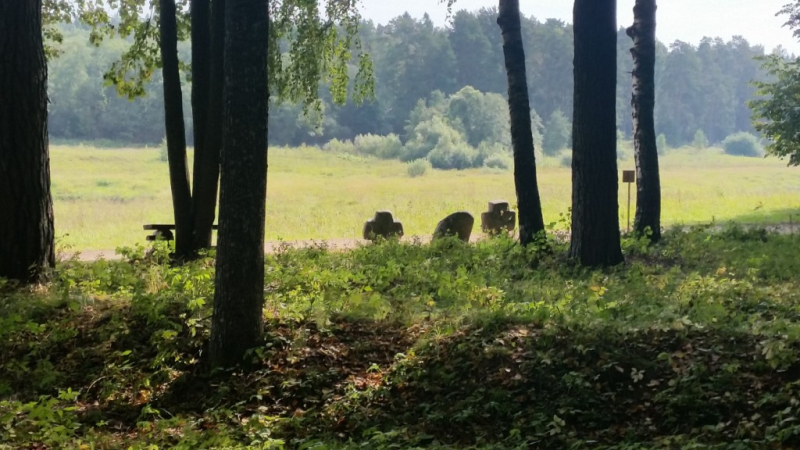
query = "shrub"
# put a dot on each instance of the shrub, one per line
(448, 155)
(499, 161)
(622, 151)
(566, 161)
(661, 144)
(337, 146)
(742, 144)
(384, 147)
(428, 135)
(485, 150)
(418, 167)
(700, 140)
(163, 153)
(557, 133)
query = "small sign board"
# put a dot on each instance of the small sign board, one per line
(628, 176)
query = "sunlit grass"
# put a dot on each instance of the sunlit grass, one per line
(102, 197)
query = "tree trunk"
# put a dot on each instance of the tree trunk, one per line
(239, 294)
(595, 208)
(648, 183)
(206, 155)
(531, 222)
(176, 133)
(27, 250)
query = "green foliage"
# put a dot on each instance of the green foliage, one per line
(452, 155)
(742, 144)
(482, 117)
(430, 134)
(661, 144)
(418, 167)
(775, 112)
(501, 161)
(340, 147)
(163, 154)
(307, 44)
(404, 345)
(486, 150)
(700, 140)
(704, 86)
(384, 147)
(566, 161)
(622, 147)
(557, 133)
(537, 128)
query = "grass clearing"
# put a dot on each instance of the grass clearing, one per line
(103, 196)
(693, 343)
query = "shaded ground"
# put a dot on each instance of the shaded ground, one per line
(693, 343)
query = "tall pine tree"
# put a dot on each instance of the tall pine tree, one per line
(595, 221)
(27, 250)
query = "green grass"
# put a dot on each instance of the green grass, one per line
(693, 343)
(103, 196)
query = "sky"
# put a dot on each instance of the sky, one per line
(685, 20)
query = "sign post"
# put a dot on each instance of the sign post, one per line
(629, 177)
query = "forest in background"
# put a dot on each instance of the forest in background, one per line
(419, 69)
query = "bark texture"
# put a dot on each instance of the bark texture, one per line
(648, 182)
(26, 208)
(206, 155)
(239, 296)
(529, 204)
(595, 208)
(176, 131)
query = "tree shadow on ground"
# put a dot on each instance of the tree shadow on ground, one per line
(555, 387)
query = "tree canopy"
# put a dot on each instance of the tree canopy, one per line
(411, 58)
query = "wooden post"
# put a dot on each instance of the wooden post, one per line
(629, 177)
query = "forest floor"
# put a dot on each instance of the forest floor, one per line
(692, 343)
(102, 197)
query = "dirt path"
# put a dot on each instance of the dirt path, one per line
(351, 243)
(272, 246)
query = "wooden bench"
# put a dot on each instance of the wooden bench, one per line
(163, 231)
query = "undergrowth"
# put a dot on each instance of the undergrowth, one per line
(693, 343)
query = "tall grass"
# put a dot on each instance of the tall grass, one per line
(102, 197)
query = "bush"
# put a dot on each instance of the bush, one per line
(742, 144)
(566, 161)
(557, 133)
(163, 153)
(428, 135)
(485, 150)
(622, 150)
(448, 155)
(700, 140)
(499, 161)
(384, 147)
(337, 146)
(661, 144)
(418, 167)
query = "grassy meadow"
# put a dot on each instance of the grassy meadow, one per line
(103, 196)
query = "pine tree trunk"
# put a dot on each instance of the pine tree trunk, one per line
(595, 208)
(531, 222)
(176, 132)
(206, 158)
(27, 250)
(648, 183)
(239, 296)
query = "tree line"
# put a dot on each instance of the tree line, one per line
(698, 87)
